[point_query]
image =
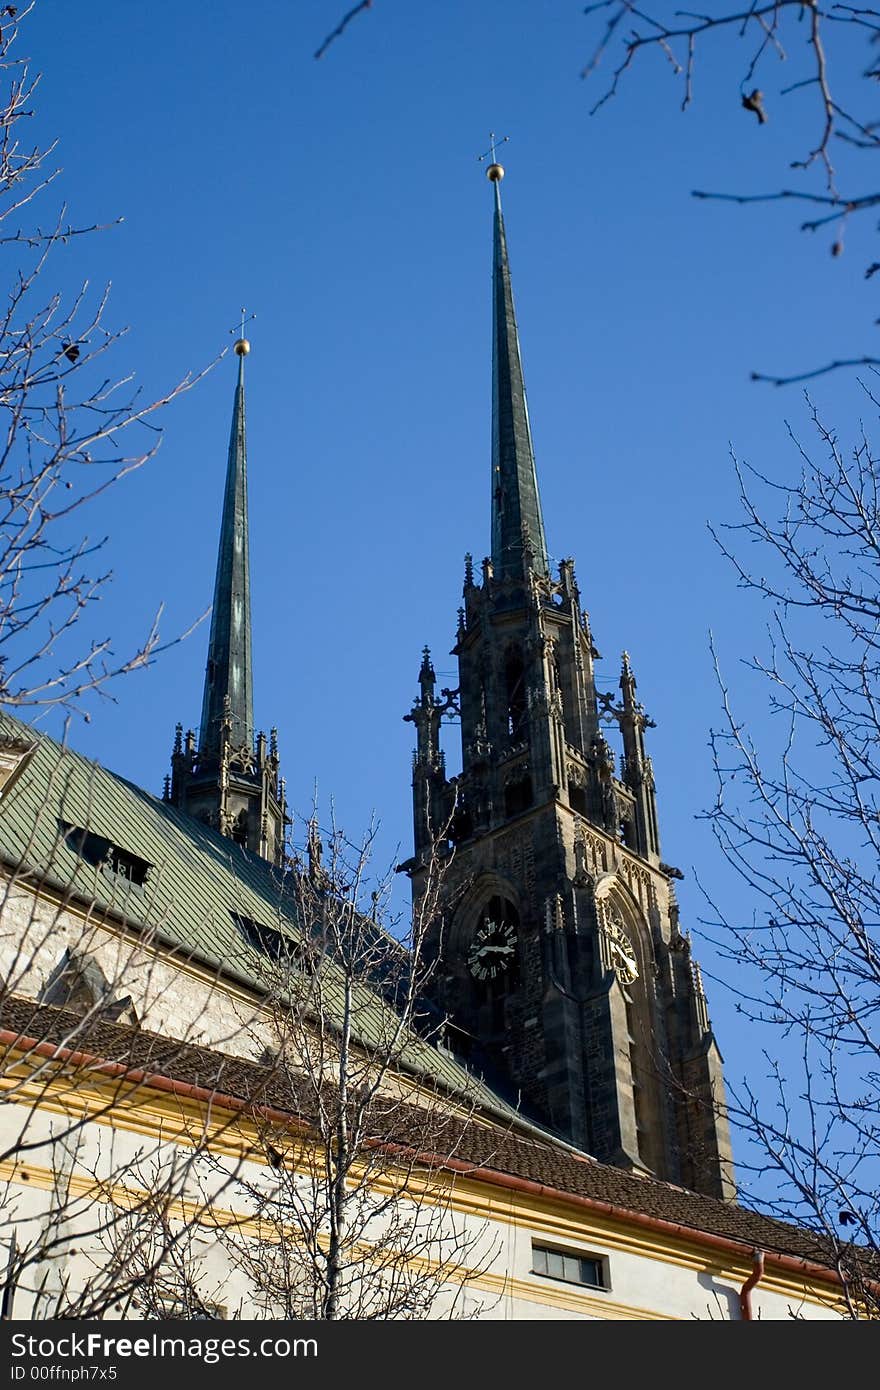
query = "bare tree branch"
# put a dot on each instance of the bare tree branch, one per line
(342, 26)
(68, 433)
(797, 815)
(813, 34)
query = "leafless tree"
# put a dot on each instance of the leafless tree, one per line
(797, 814)
(87, 1207)
(355, 1206)
(831, 54)
(103, 1011)
(69, 431)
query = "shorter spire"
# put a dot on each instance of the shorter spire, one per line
(228, 678)
(224, 778)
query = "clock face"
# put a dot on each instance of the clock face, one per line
(493, 950)
(623, 955)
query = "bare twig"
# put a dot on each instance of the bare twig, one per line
(342, 26)
(796, 816)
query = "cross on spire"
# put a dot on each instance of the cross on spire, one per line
(490, 153)
(246, 318)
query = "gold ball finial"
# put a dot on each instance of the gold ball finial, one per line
(495, 173)
(242, 347)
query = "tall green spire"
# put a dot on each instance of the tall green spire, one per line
(229, 672)
(518, 541)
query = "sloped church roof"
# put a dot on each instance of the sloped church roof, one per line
(199, 883)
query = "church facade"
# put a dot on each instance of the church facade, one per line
(566, 1134)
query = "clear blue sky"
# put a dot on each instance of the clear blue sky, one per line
(343, 203)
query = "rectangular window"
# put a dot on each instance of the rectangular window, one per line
(127, 865)
(569, 1265)
(102, 854)
(276, 945)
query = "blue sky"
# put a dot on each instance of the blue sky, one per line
(343, 203)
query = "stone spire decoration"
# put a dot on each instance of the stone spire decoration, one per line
(429, 767)
(518, 542)
(226, 778)
(560, 963)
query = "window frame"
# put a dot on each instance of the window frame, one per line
(15, 755)
(565, 1253)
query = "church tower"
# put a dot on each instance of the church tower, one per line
(560, 961)
(226, 777)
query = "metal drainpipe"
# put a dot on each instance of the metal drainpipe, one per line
(745, 1293)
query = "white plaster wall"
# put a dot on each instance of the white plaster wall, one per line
(170, 998)
(642, 1285)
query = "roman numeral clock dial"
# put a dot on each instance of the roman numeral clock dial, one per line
(623, 955)
(492, 950)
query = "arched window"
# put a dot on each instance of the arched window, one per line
(518, 796)
(556, 678)
(515, 684)
(462, 826)
(644, 1061)
(240, 828)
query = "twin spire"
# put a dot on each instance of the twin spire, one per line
(518, 541)
(224, 777)
(229, 687)
(229, 779)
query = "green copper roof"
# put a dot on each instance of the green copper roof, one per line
(229, 670)
(199, 886)
(517, 526)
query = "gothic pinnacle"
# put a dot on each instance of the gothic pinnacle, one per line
(426, 674)
(627, 681)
